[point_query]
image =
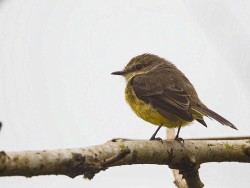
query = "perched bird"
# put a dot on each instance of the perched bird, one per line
(161, 94)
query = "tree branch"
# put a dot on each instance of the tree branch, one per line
(91, 160)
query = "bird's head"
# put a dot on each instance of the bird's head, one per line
(139, 65)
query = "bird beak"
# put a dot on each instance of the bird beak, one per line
(119, 73)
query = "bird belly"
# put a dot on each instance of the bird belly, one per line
(148, 113)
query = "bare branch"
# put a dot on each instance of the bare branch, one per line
(91, 160)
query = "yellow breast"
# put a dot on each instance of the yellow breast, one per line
(147, 112)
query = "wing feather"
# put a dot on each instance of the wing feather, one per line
(159, 88)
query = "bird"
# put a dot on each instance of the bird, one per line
(159, 93)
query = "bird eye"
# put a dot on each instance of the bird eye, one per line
(139, 66)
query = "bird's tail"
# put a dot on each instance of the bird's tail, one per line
(209, 113)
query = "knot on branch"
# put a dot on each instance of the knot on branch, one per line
(83, 165)
(3, 159)
(187, 167)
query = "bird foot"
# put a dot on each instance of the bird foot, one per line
(180, 140)
(158, 139)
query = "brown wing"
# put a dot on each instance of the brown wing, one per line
(163, 90)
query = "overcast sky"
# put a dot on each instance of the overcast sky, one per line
(57, 92)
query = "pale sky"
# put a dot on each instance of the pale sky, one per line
(57, 92)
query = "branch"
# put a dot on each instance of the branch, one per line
(91, 160)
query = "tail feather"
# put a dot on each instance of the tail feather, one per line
(201, 121)
(209, 113)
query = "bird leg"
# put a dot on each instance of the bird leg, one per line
(153, 136)
(177, 138)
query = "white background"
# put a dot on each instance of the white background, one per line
(56, 90)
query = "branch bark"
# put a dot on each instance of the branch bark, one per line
(91, 160)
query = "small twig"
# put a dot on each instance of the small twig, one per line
(89, 169)
(221, 138)
(119, 156)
